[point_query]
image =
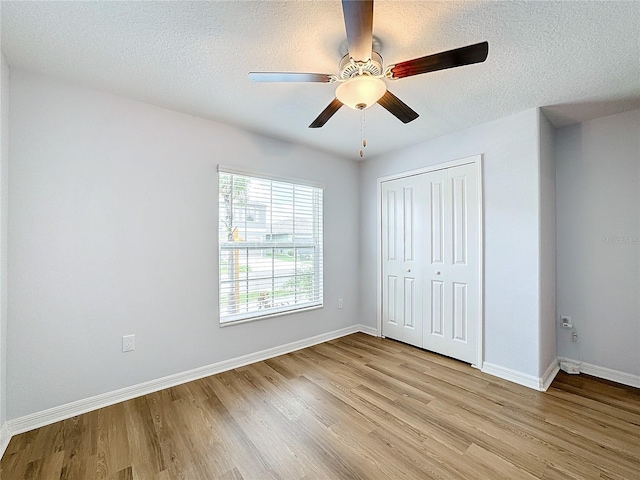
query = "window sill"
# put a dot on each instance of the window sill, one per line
(271, 315)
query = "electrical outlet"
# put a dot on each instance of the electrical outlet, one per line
(340, 303)
(566, 321)
(128, 343)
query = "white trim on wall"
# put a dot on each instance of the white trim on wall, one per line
(369, 330)
(480, 331)
(549, 375)
(605, 373)
(62, 412)
(478, 161)
(5, 438)
(541, 384)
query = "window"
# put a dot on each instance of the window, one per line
(270, 237)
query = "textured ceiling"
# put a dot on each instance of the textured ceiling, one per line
(579, 59)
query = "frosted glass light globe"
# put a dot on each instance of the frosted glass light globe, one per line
(361, 92)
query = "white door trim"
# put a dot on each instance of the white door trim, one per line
(478, 161)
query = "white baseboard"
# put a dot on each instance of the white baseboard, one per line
(549, 375)
(606, 373)
(369, 330)
(62, 412)
(5, 438)
(524, 379)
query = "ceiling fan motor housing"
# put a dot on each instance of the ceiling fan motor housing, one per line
(349, 68)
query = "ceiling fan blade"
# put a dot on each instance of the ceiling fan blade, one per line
(289, 77)
(397, 107)
(326, 114)
(439, 61)
(358, 20)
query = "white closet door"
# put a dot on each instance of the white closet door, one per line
(450, 268)
(402, 211)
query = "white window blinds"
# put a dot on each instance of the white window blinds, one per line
(270, 236)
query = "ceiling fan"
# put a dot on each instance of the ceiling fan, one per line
(360, 78)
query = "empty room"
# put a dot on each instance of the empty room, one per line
(319, 239)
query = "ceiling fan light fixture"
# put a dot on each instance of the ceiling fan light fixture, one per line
(361, 91)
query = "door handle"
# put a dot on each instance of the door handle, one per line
(437, 272)
(408, 270)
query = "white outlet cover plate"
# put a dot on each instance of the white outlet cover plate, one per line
(128, 343)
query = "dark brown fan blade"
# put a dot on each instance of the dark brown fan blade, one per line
(358, 20)
(326, 114)
(439, 61)
(289, 77)
(397, 107)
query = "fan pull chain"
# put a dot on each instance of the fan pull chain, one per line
(362, 133)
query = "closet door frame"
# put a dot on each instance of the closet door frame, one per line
(477, 161)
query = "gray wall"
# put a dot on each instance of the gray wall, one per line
(113, 230)
(510, 148)
(547, 245)
(4, 179)
(598, 208)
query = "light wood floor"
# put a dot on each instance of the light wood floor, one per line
(356, 407)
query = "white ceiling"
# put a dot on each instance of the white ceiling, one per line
(579, 59)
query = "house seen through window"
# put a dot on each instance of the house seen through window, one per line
(270, 237)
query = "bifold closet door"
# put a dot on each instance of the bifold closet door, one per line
(450, 251)
(402, 210)
(430, 249)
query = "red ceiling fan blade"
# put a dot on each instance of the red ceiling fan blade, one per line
(358, 21)
(289, 77)
(397, 107)
(326, 114)
(439, 61)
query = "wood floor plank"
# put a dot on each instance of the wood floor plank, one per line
(356, 407)
(247, 457)
(489, 465)
(261, 430)
(143, 440)
(573, 448)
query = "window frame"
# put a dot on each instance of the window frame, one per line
(318, 227)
